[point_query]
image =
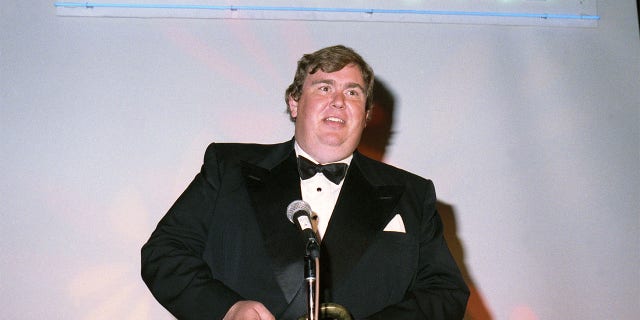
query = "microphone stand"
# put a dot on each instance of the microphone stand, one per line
(312, 278)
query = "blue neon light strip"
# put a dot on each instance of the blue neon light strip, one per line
(90, 5)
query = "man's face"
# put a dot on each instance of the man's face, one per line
(330, 114)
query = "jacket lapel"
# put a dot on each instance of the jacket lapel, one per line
(273, 184)
(362, 211)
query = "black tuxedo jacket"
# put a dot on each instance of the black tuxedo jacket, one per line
(227, 238)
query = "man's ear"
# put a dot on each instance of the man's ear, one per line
(293, 107)
(367, 116)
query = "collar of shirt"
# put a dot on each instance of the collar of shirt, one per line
(300, 152)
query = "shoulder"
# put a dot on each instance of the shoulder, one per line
(236, 149)
(246, 152)
(379, 173)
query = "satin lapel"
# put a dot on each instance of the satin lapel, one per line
(362, 211)
(271, 192)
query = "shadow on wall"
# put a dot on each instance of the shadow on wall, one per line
(376, 137)
(378, 132)
(476, 307)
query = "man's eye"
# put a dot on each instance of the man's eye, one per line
(353, 93)
(324, 88)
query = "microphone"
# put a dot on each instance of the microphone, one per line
(299, 213)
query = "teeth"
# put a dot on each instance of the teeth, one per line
(334, 119)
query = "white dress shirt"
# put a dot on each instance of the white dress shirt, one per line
(320, 193)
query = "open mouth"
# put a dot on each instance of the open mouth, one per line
(334, 119)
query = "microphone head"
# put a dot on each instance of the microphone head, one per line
(295, 206)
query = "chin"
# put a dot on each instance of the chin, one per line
(332, 141)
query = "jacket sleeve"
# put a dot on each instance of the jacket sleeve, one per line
(172, 265)
(438, 291)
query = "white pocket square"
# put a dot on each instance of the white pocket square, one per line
(395, 225)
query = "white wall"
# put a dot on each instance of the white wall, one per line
(531, 134)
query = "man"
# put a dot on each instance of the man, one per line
(226, 249)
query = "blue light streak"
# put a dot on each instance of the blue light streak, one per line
(90, 5)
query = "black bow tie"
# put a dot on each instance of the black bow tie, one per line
(335, 172)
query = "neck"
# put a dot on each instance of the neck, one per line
(325, 155)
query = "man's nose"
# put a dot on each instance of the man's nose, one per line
(338, 100)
